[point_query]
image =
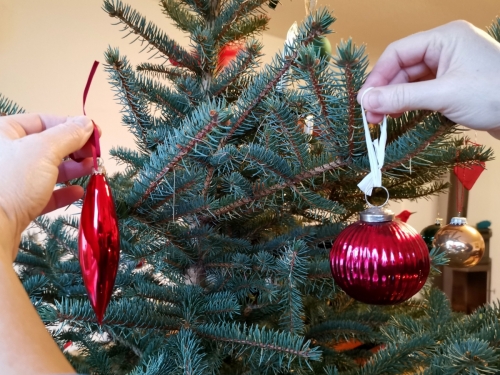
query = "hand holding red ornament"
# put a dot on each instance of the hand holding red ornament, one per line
(33, 147)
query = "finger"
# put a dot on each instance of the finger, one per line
(84, 152)
(374, 79)
(420, 48)
(412, 74)
(406, 97)
(374, 118)
(63, 139)
(495, 133)
(427, 78)
(410, 51)
(63, 197)
(50, 121)
(71, 169)
(31, 123)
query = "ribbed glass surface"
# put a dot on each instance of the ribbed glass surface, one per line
(380, 263)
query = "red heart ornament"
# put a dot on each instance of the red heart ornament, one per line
(99, 243)
(468, 175)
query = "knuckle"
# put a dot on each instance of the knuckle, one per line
(393, 46)
(399, 98)
(463, 24)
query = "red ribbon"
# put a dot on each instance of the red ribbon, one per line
(460, 197)
(94, 138)
(463, 181)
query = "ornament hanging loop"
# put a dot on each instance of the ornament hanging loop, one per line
(100, 167)
(376, 153)
(94, 138)
(383, 204)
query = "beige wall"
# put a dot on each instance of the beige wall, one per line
(47, 48)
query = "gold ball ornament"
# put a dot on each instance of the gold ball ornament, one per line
(463, 244)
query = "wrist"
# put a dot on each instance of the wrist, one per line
(9, 239)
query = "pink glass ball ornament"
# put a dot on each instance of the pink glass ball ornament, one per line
(378, 260)
(99, 243)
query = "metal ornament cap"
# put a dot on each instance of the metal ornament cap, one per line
(458, 221)
(376, 214)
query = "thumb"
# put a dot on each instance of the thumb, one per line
(66, 138)
(404, 97)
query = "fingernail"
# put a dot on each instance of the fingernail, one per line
(373, 99)
(83, 121)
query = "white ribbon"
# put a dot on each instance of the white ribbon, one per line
(376, 153)
(309, 125)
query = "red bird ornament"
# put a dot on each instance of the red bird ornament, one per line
(404, 215)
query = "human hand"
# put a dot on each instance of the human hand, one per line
(32, 148)
(453, 69)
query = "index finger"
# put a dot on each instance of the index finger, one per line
(31, 123)
(417, 49)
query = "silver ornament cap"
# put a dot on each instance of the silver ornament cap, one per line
(458, 221)
(376, 214)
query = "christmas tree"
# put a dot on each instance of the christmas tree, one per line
(228, 209)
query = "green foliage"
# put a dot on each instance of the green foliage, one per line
(494, 29)
(8, 107)
(228, 210)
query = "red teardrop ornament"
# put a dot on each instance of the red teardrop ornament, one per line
(469, 175)
(378, 260)
(99, 243)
